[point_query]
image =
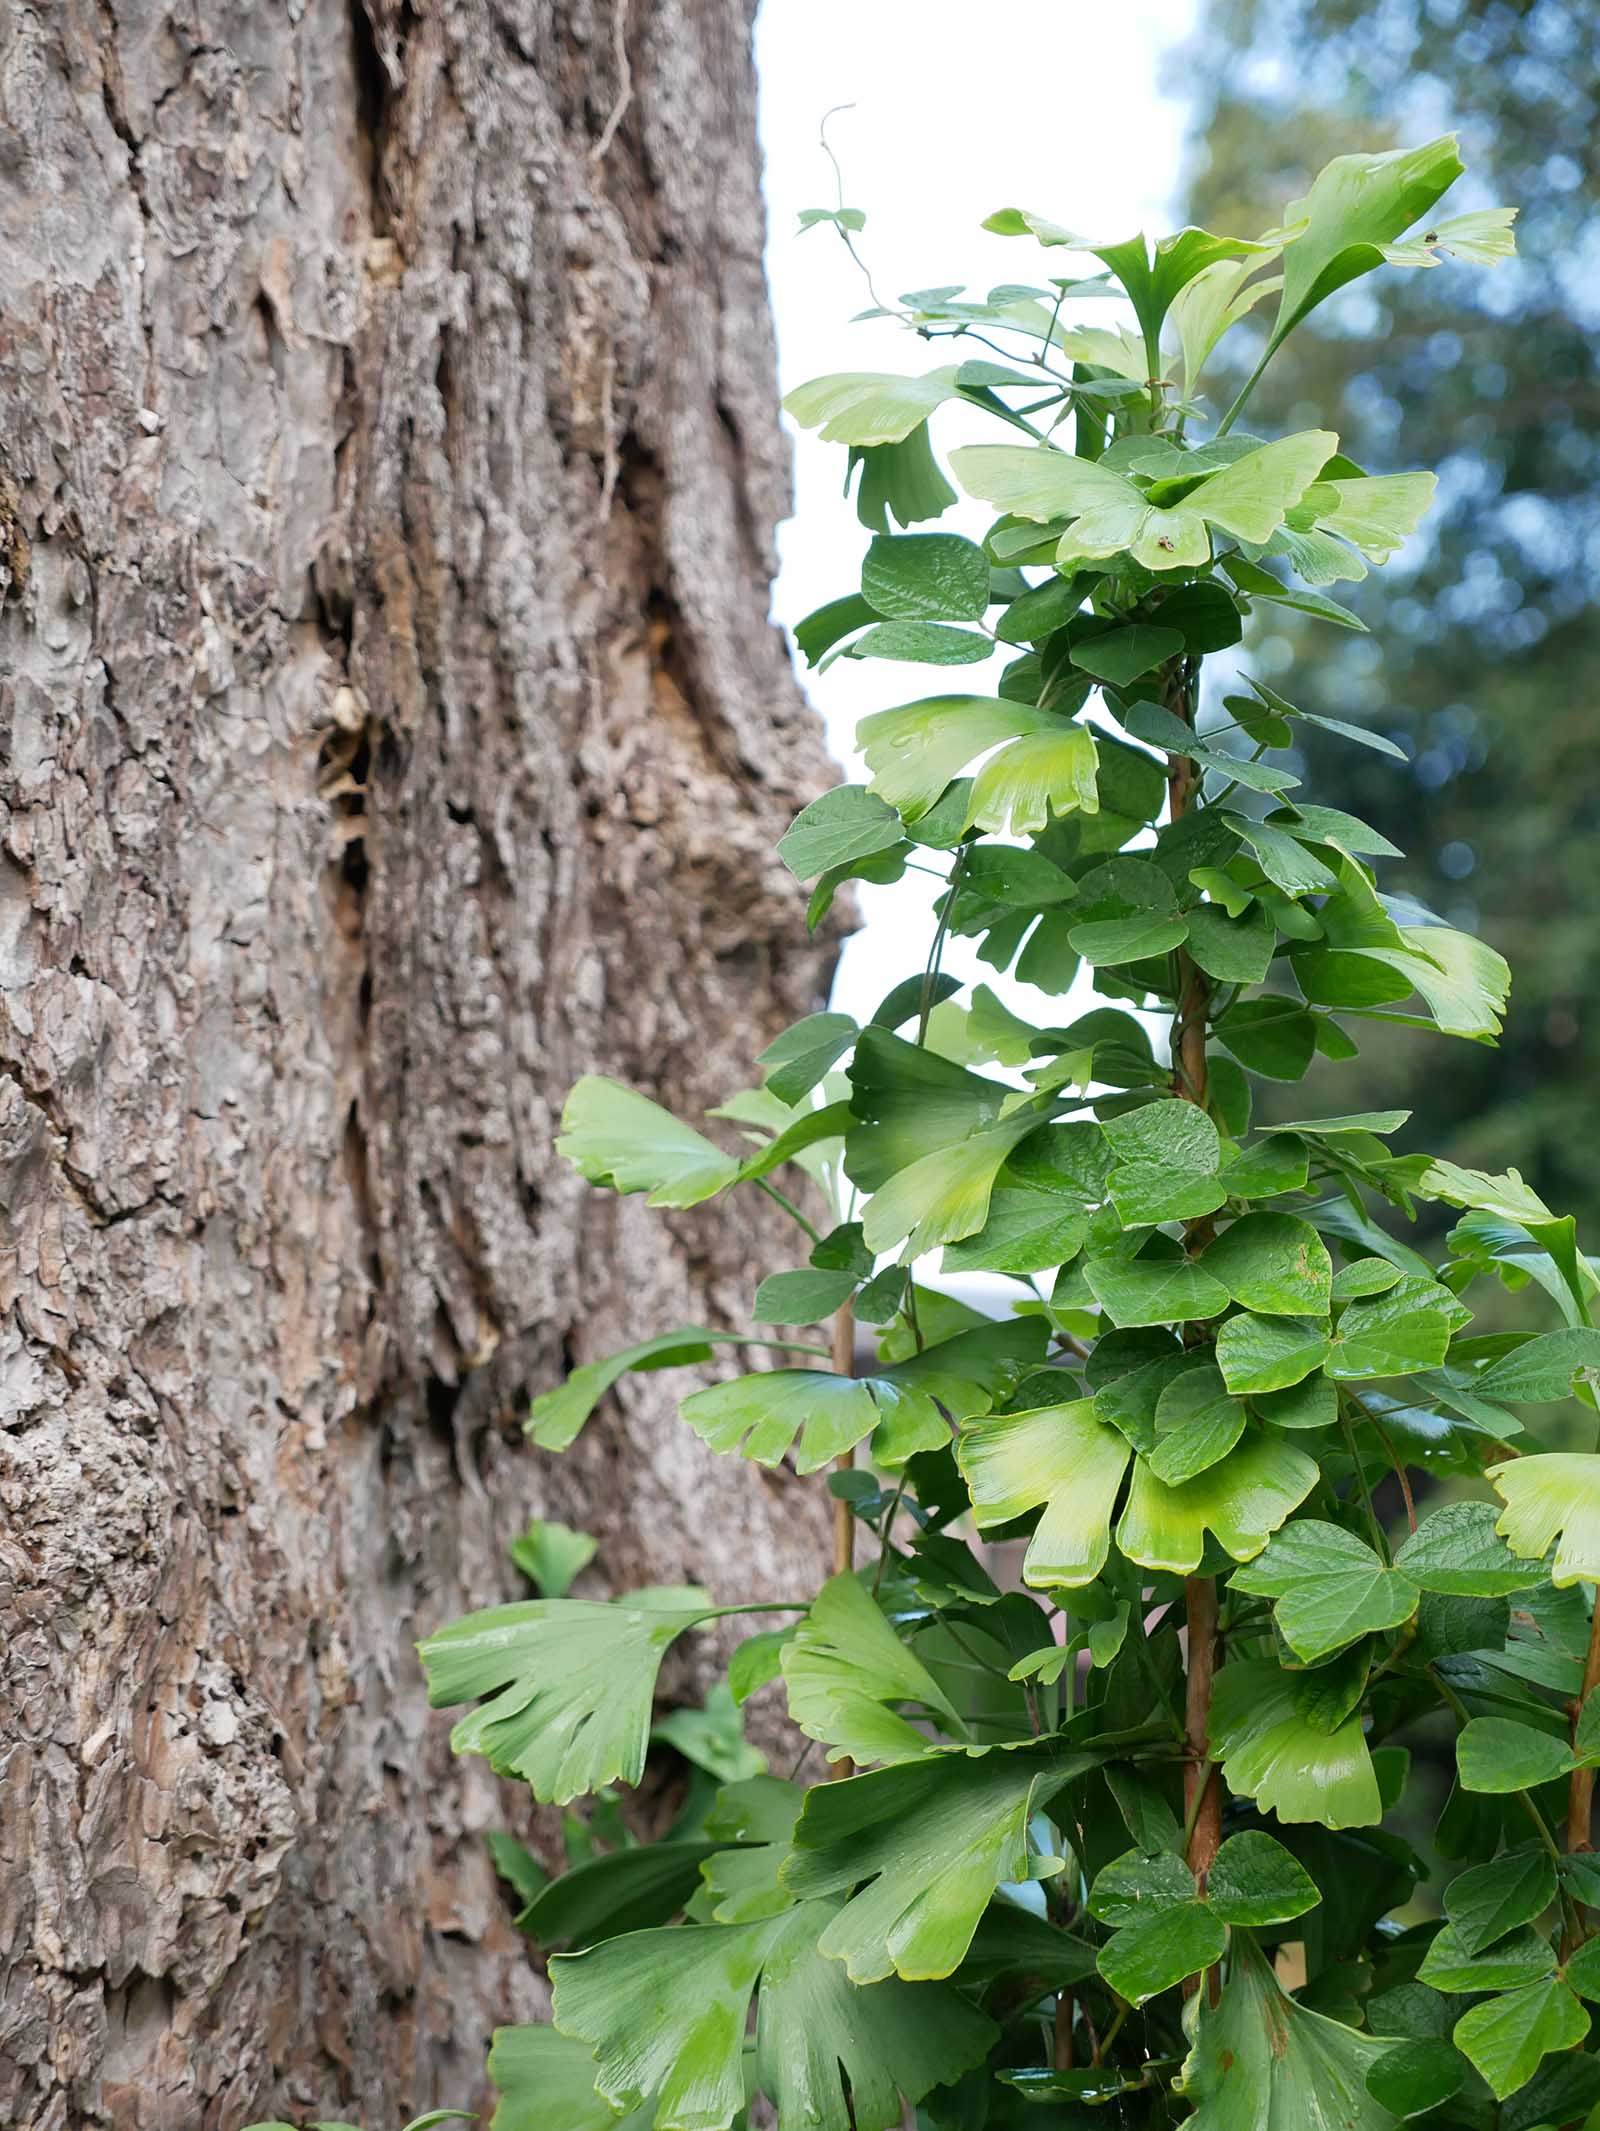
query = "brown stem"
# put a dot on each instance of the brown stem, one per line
(1064, 2016)
(1202, 1787)
(1580, 1795)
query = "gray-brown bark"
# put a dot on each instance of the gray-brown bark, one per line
(392, 730)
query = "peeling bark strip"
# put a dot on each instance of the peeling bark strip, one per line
(392, 731)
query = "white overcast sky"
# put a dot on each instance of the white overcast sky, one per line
(957, 111)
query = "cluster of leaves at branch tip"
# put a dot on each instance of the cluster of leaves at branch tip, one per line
(1222, 1359)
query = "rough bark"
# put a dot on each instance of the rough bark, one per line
(392, 730)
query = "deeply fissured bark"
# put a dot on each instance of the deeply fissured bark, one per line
(392, 730)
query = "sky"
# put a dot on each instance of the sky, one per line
(955, 112)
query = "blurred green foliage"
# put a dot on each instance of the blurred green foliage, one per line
(1488, 671)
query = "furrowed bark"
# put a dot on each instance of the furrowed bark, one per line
(393, 730)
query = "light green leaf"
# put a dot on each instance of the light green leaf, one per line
(1217, 298)
(1498, 1756)
(914, 751)
(1274, 1264)
(1258, 1354)
(867, 407)
(1260, 2062)
(551, 1555)
(843, 825)
(843, 1668)
(1377, 514)
(712, 1737)
(1330, 1588)
(1247, 498)
(1255, 1881)
(945, 1195)
(1522, 1957)
(557, 1418)
(1030, 1228)
(571, 1683)
(1508, 2038)
(543, 2079)
(1457, 1552)
(1356, 208)
(922, 643)
(1167, 1155)
(758, 1817)
(612, 1136)
(761, 1415)
(1154, 1288)
(1036, 778)
(1549, 1498)
(803, 1297)
(1493, 1899)
(794, 1062)
(1157, 1952)
(665, 2014)
(1196, 1423)
(1271, 1753)
(926, 577)
(1062, 1457)
(1483, 237)
(1242, 1501)
(1366, 1276)
(1122, 655)
(1544, 1368)
(1392, 1334)
(925, 1844)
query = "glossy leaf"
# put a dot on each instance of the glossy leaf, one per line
(1508, 2038)
(1330, 1588)
(1255, 1881)
(1274, 1264)
(925, 1845)
(1271, 1753)
(1260, 2062)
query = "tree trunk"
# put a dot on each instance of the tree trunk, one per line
(392, 730)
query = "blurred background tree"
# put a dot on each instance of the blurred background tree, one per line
(1487, 676)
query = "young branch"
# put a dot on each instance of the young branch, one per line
(1202, 1787)
(1580, 1795)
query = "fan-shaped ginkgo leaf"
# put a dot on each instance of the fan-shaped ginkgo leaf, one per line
(867, 407)
(613, 1136)
(665, 2012)
(1242, 1499)
(570, 1683)
(924, 1844)
(844, 1667)
(1062, 1457)
(1260, 2062)
(1271, 1753)
(1553, 1500)
(1248, 498)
